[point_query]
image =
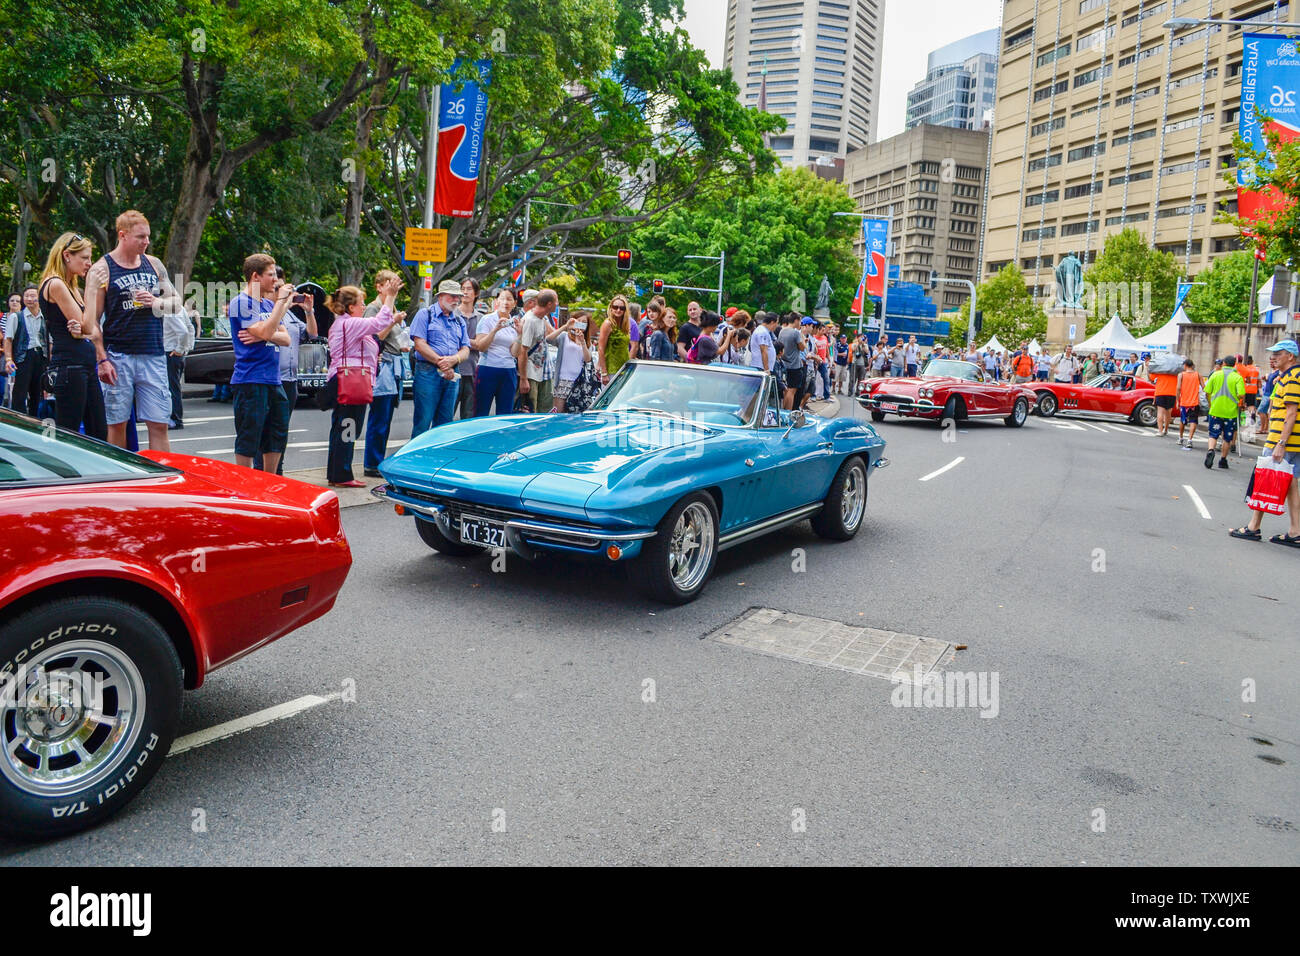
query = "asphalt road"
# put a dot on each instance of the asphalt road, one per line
(502, 717)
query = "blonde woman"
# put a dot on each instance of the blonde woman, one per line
(615, 346)
(78, 398)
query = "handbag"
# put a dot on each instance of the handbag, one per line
(1272, 481)
(356, 383)
(583, 392)
(386, 380)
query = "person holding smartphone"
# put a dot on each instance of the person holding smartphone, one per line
(497, 343)
(575, 353)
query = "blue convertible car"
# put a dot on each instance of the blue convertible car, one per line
(672, 464)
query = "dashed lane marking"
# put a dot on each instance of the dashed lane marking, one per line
(239, 725)
(952, 464)
(1196, 500)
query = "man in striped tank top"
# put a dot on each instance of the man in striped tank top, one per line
(129, 289)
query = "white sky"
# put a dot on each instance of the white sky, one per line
(912, 29)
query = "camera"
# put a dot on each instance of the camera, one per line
(299, 298)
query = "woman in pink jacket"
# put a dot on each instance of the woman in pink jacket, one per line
(352, 343)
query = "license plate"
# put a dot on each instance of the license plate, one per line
(476, 530)
(888, 407)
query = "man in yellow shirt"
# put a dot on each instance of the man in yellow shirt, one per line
(1283, 439)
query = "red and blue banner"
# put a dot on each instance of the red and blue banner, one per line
(461, 125)
(875, 239)
(1270, 80)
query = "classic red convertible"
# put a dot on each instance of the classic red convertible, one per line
(123, 579)
(945, 389)
(1112, 395)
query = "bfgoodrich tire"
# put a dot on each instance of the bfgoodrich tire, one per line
(1046, 404)
(1144, 414)
(88, 713)
(845, 503)
(432, 535)
(675, 565)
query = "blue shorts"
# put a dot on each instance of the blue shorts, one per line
(1189, 414)
(1225, 428)
(142, 381)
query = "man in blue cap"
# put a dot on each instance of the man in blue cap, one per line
(1283, 443)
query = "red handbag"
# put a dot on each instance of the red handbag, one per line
(356, 382)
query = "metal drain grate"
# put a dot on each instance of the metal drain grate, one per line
(815, 640)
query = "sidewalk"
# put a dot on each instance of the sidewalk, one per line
(348, 497)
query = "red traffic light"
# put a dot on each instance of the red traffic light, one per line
(625, 259)
(658, 286)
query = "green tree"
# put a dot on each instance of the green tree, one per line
(781, 233)
(1133, 279)
(1225, 296)
(1274, 171)
(1009, 311)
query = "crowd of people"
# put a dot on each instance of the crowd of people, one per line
(98, 344)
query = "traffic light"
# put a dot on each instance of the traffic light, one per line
(624, 259)
(934, 279)
(979, 320)
(658, 286)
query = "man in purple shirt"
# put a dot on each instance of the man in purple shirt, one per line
(441, 342)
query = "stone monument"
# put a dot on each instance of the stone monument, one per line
(1067, 310)
(822, 310)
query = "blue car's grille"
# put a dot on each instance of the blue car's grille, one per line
(457, 508)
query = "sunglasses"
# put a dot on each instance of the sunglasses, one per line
(618, 308)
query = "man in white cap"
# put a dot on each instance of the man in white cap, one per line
(527, 299)
(1283, 439)
(440, 344)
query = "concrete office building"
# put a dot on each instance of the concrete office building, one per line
(933, 176)
(959, 86)
(1105, 119)
(823, 64)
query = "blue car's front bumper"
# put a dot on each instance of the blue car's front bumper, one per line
(526, 534)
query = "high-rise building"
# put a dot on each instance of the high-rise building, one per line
(822, 62)
(959, 86)
(1105, 119)
(932, 177)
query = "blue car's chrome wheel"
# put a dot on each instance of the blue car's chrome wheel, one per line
(853, 500)
(691, 552)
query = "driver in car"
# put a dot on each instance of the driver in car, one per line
(675, 397)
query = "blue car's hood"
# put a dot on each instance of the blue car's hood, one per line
(511, 458)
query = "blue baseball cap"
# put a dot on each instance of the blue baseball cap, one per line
(808, 321)
(1286, 345)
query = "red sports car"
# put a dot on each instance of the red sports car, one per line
(123, 579)
(947, 388)
(1114, 394)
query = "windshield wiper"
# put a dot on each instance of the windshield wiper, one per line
(652, 411)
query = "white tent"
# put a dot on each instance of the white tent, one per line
(1113, 335)
(993, 343)
(1034, 347)
(1165, 338)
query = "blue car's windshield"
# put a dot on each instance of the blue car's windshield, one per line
(695, 393)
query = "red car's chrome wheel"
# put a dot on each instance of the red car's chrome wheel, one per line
(89, 707)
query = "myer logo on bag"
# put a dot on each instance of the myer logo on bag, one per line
(76, 909)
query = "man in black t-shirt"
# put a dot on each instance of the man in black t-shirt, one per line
(686, 336)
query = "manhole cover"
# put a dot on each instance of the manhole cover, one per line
(815, 640)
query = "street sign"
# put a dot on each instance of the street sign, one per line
(1073, 331)
(428, 283)
(426, 269)
(425, 245)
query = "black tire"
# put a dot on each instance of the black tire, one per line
(832, 522)
(877, 416)
(432, 535)
(1019, 412)
(651, 570)
(135, 710)
(1144, 414)
(1047, 404)
(953, 410)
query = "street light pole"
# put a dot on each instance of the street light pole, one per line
(970, 326)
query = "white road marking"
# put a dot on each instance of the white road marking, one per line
(174, 441)
(1097, 427)
(952, 464)
(230, 728)
(1122, 429)
(1072, 426)
(1196, 500)
(140, 426)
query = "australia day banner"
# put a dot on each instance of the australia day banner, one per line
(1270, 80)
(461, 124)
(875, 236)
